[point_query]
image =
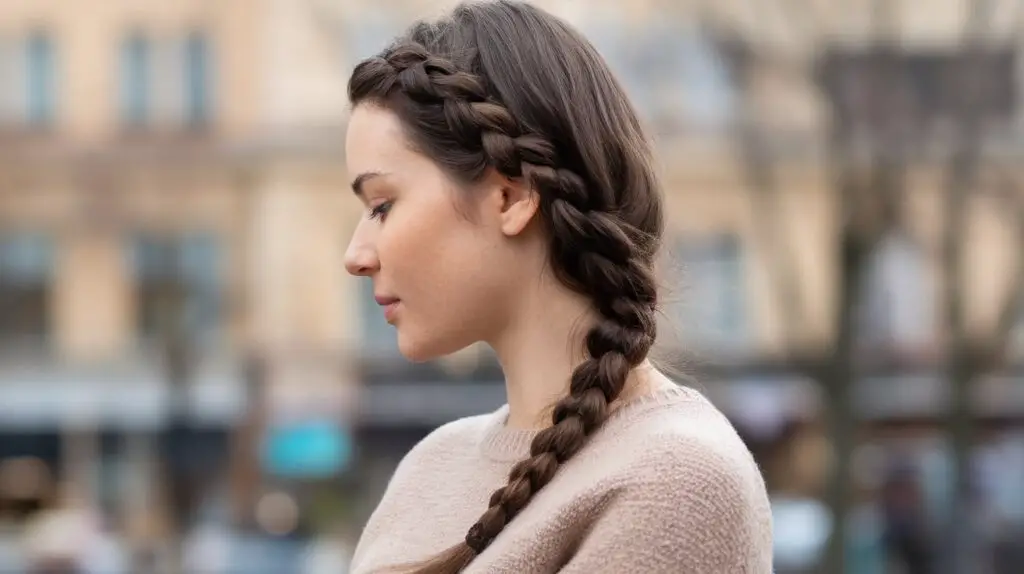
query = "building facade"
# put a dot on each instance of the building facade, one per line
(173, 192)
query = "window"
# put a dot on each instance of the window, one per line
(166, 81)
(710, 308)
(41, 85)
(179, 282)
(379, 338)
(182, 79)
(135, 79)
(898, 306)
(26, 262)
(12, 77)
(673, 73)
(197, 79)
(28, 80)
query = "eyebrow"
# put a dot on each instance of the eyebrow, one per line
(357, 183)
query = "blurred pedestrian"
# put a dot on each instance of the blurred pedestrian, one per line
(906, 536)
(511, 199)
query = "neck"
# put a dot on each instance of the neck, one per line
(539, 350)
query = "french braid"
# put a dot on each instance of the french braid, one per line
(594, 249)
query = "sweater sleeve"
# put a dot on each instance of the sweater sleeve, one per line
(693, 511)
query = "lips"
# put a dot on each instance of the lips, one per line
(384, 300)
(390, 305)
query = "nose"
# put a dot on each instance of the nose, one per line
(361, 255)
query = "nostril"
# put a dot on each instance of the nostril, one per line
(358, 267)
(361, 258)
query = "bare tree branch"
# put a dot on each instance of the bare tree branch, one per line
(1012, 307)
(962, 361)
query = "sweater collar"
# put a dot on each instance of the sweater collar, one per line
(501, 443)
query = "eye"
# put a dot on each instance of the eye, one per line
(380, 210)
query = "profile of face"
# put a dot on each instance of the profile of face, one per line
(448, 264)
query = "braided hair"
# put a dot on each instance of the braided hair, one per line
(504, 86)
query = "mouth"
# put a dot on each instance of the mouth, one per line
(390, 306)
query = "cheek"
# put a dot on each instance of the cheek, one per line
(426, 249)
(445, 267)
(403, 243)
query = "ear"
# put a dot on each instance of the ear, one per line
(519, 205)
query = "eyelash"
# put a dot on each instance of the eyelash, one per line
(380, 210)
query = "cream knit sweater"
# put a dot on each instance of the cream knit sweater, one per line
(665, 486)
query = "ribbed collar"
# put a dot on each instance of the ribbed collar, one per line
(501, 443)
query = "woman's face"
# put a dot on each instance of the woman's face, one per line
(442, 264)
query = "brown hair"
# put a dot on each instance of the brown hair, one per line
(506, 86)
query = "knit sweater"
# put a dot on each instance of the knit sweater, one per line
(664, 486)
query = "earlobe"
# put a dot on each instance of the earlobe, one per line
(520, 205)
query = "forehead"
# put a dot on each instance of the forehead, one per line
(375, 141)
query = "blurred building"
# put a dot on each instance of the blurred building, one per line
(174, 210)
(171, 199)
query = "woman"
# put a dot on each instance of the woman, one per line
(510, 199)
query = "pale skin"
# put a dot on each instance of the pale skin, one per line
(452, 267)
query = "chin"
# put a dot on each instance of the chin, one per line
(422, 347)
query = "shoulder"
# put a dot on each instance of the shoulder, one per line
(688, 453)
(691, 435)
(687, 491)
(709, 471)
